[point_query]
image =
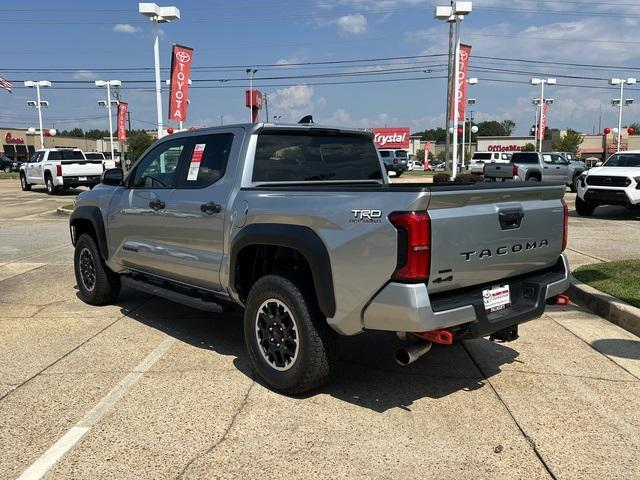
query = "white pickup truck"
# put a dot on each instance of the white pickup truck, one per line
(60, 168)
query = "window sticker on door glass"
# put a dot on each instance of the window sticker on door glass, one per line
(546, 158)
(196, 160)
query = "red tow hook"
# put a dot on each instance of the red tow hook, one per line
(443, 337)
(562, 299)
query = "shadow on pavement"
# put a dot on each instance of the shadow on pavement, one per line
(618, 347)
(367, 374)
(611, 212)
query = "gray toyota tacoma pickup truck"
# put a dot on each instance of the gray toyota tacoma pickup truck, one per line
(299, 226)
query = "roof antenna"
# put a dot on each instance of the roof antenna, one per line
(308, 119)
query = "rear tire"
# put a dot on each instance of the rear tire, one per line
(26, 186)
(533, 179)
(584, 209)
(51, 188)
(290, 344)
(97, 284)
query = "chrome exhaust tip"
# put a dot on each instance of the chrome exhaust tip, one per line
(410, 353)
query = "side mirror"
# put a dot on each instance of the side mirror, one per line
(113, 177)
(598, 164)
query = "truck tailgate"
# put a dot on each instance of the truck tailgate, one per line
(480, 236)
(84, 168)
(498, 170)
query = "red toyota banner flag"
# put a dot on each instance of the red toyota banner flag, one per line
(122, 121)
(543, 121)
(463, 75)
(181, 58)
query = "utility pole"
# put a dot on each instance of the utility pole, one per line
(266, 105)
(129, 119)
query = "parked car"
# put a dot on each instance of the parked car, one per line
(576, 167)
(478, 160)
(304, 231)
(395, 161)
(616, 182)
(531, 166)
(108, 163)
(8, 164)
(60, 168)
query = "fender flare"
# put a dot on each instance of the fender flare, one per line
(300, 238)
(93, 215)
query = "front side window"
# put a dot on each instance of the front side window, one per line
(623, 160)
(157, 169)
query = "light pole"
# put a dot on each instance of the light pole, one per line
(620, 102)
(39, 103)
(542, 82)
(456, 13)
(108, 104)
(158, 15)
(251, 72)
(471, 101)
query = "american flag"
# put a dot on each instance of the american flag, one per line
(6, 84)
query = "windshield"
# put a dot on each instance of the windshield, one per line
(481, 156)
(299, 157)
(623, 160)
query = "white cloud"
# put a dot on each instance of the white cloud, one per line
(354, 24)
(84, 75)
(287, 61)
(125, 28)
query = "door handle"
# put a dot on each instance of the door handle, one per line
(210, 208)
(546, 168)
(157, 204)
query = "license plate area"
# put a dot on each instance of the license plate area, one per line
(496, 298)
(82, 179)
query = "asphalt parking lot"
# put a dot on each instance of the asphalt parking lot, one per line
(150, 389)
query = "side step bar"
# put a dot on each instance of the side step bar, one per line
(182, 298)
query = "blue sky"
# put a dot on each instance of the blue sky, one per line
(72, 41)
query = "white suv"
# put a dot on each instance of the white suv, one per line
(478, 160)
(616, 182)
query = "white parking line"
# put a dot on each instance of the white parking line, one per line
(65, 443)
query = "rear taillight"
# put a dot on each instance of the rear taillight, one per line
(565, 225)
(58, 170)
(414, 246)
(514, 170)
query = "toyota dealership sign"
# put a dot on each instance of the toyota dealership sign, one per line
(393, 137)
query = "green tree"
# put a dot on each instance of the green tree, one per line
(508, 126)
(441, 156)
(569, 142)
(529, 147)
(492, 128)
(437, 135)
(138, 144)
(420, 154)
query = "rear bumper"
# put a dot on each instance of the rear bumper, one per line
(409, 307)
(77, 182)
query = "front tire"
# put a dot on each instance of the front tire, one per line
(290, 344)
(26, 186)
(584, 209)
(97, 284)
(51, 188)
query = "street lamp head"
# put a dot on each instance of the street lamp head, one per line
(551, 81)
(462, 8)
(169, 14)
(471, 101)
(628, 101)
(443, 12)
(100, 83)
(102, 103)
(536, 81)
(149, 9)
(548, 101)
(115, 83)
(631, 81)
(32, 103)
(115, 103)
(615, 102)
(29, 83)
(473, 81)
(615, 81)
(44, 103)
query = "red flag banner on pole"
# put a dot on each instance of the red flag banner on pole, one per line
(543, 121)
(181, 58)
(122, 121)
(461, 94)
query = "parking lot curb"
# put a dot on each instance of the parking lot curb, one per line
(64, 211)
(606, 306)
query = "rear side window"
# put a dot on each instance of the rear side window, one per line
(94, 156)
(385, 153)
(481, 156)
(206, 160)
(524, 157)
(304, 156)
